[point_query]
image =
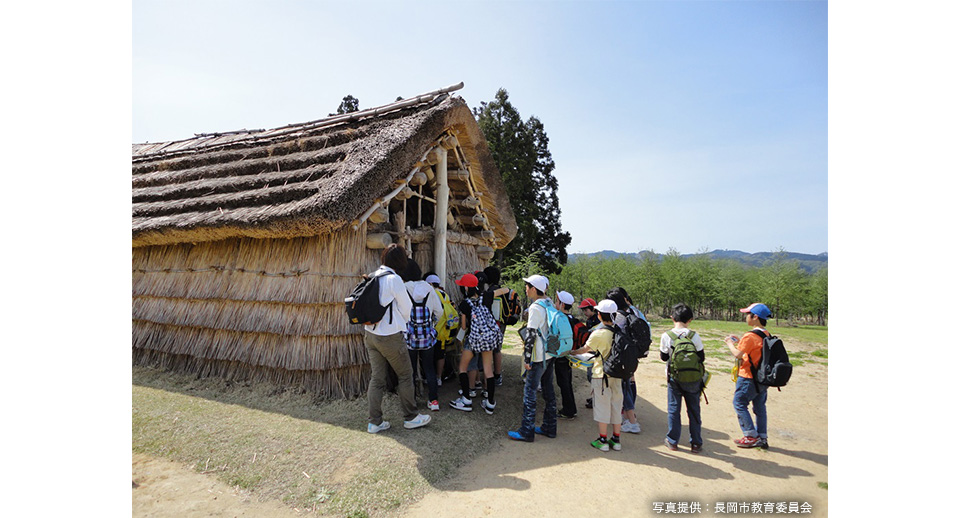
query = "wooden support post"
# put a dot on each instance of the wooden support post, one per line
(440, 220)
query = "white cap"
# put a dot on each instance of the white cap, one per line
(606, 306)
(538, 281)
(565, 297)
(432, 279)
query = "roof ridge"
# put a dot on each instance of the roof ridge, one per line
(425, 98)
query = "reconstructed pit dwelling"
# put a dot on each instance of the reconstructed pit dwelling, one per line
(245, 243)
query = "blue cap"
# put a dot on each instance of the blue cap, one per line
(761, 310)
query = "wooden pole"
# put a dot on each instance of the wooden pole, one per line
(440, 218)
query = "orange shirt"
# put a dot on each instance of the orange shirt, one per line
(751, 344)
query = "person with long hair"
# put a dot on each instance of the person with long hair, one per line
(422, 329)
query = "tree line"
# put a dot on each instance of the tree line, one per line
(714, 288)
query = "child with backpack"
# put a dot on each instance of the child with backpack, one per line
(682, 349)
(561, 366)
(481, 338)
(630, 321)
(446, 327)
(589, 311)
(607, 390)
(421, 332)
(538, 367)
(747, 350)
(506, 311)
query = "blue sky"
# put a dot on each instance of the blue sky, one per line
(703, 124)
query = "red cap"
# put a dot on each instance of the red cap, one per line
(468, 280)
(588, 303)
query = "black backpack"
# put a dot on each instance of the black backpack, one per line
(639, 332)
(774, 368)
(363, 304)
(624, 356)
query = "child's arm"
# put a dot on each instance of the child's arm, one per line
(731, 342)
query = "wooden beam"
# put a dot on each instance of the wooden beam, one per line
(380, 215)
(378, 241)
(469, 202)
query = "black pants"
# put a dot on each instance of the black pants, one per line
(564, 375)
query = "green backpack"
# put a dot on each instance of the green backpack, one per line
(685, 365)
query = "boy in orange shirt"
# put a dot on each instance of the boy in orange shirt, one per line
(748, 351)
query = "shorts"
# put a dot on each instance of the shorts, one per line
(607, 401)
(474, 361)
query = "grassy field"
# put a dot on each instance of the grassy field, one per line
(316, 455)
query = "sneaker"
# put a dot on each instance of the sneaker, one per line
(539, 431)
(561, 415)
(631, 427)
(747, 442)
(417, 422)
(600, 445)
(439, 382)
(462, 403)
(434, 405)
(488, 406)
(696, 448)
(589, 402)
(498, 379)
(670, 446)
(517, 437)
(615, 444)
(472, 394)
(763, 444)
(372, 428)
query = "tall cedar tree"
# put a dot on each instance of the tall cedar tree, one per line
(520, 150)
(349, 104)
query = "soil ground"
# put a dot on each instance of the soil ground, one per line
(566, 477)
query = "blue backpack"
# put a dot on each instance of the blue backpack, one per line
(560, 338)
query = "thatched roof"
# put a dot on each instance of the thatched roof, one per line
(302, 179)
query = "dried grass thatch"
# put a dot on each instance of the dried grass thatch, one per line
(297, 182)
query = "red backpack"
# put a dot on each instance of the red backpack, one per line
(580, 332)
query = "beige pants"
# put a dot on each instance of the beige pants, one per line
(392, 350)
(607, 401)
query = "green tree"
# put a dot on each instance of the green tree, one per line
(817, 296)
(348, 105)
(783, 285)
(521, 151)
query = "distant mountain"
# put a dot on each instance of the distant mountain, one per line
(808, 262)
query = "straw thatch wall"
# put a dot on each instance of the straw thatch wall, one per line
(264, 309)
(257, 309)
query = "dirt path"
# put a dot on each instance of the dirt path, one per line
(566, 477)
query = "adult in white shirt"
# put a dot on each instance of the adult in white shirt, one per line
(386, 345)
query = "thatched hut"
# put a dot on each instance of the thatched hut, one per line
(246, 243)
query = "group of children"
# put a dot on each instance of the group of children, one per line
(482, 322)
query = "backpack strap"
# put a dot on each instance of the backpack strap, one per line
(753, 368)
